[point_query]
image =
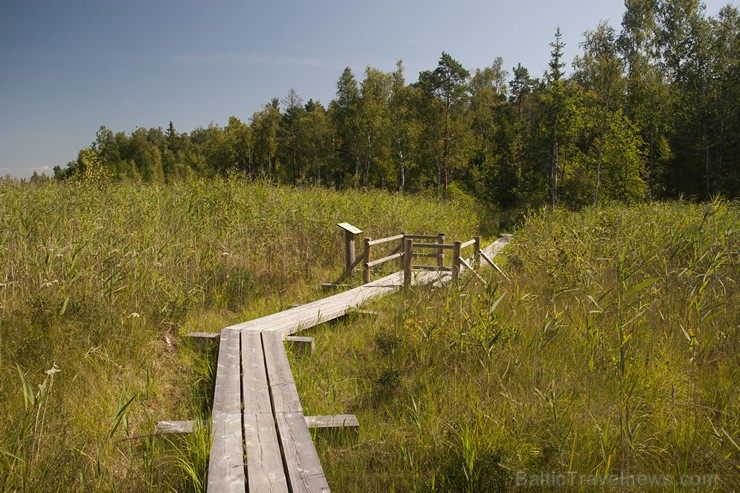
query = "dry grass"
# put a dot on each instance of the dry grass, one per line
(104, 280)
(609, 359)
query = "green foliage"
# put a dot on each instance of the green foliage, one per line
(100, 283)
(612, 349)
(667, 83)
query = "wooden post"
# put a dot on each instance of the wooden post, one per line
(408, 246)
(476, 252)
(349, 246)
(402, 261)
(456, 260)
(349, 250)
(441, 251)
(366, 270)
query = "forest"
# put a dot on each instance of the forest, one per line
(649, 111)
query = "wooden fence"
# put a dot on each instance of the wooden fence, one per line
(406, 248)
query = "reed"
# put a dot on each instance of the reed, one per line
(101, 281)
(611, 352)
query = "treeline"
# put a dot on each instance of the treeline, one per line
(649, 111)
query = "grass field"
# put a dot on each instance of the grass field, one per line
(99, 283)
(611, 350)
(608, 362)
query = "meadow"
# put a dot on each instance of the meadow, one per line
(99, 282)
(607, 362)
(610, 350)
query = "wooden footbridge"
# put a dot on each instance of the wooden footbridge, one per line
(261, 437)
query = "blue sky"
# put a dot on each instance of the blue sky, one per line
(69, 67)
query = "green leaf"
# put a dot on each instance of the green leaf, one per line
(120, 415)
(28, 394)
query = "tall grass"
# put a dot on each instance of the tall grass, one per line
(608, 362)
(99, 283)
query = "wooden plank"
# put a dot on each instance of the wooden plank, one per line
(467, 243)
(428, 255)
(330, 286)
(387, 239)
(384, 259)
(332, 421)
(226, 462)
(349, 228)
(372, 313)
(255, 391)
(424, 237)
(227, 393)
(302, 344)
(438, 246)
(174, 427)
(305, 473)
(321, 311)
(470, 268)
(265, 470)
(282, 386)
(493, 264)
(204, 335)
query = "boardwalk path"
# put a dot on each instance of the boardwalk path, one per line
(256, 409)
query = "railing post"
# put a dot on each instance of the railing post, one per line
(366, 270)
(441, 251)
(408, 246)
(476, 252)
(349, 250)
(456, 260)
(401, 261)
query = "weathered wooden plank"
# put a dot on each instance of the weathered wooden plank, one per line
(265, 470)
(305, 473)
(204, 335)
(437, 246)
(226, 462)
(227, 394)
(255, 391)
(470, 268)
(326, 421)
(380, 241)
(303, 344)
(332, 421)
(372, 313)
(384, 259)
(174, 427)
(282, 386)
(329, 308)
(331, 286)
(466, 244)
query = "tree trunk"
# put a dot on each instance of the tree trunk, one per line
(403, 166)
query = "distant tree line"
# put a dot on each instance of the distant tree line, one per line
(650, 111)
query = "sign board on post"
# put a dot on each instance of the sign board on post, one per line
(349, 243)
(349, 228)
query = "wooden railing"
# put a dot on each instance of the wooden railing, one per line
(408, 247)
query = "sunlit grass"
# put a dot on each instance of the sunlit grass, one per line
(103, 281)
(612, 350)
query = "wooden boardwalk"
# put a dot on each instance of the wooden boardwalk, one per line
(256, 408)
